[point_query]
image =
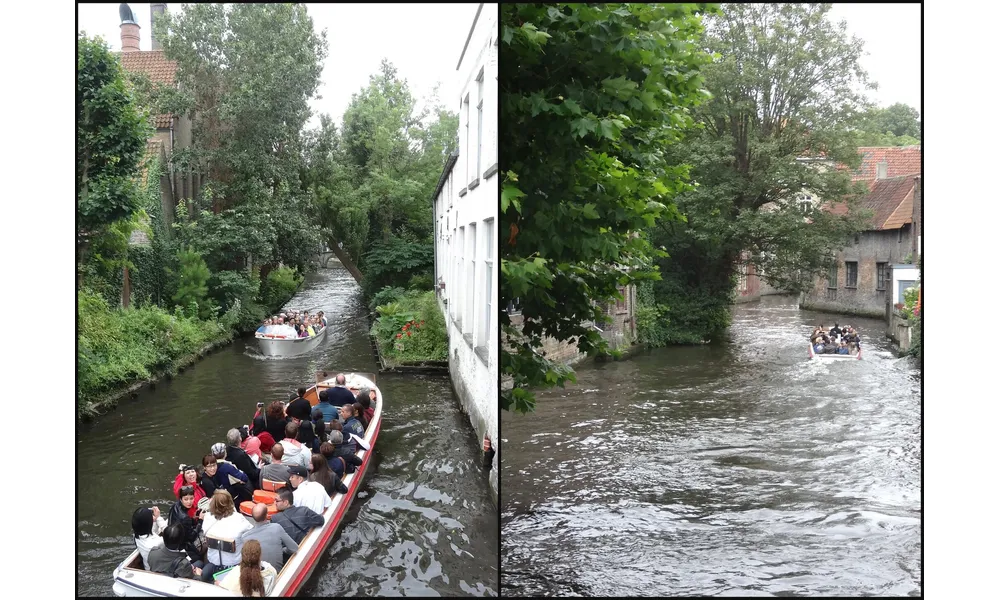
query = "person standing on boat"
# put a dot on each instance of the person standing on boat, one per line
(222, 526)
(299, 407)
(147, 525)
(295, 520)
(307, 493)
(339, 395)
(835, 331)
(240, 459)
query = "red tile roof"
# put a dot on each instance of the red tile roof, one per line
(159, 70)
(890, 199)
(901, 161)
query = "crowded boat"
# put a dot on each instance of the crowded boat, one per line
(835, 342)
(291, 333)
(253, 515)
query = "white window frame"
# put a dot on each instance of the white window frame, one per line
(470, 283)
(483, 334)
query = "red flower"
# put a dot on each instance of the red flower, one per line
(408, 334)
(399, 335)
(418, 326)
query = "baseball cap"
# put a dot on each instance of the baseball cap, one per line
(298, 470)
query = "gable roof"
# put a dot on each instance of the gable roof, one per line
(155, 65)
(891, 201)
(901, 160)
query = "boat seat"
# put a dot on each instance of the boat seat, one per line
(246, 508)
(266, 495)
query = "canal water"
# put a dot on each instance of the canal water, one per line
(423, 524)
(735, 469)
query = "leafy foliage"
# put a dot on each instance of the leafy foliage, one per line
(764, 117)
(411, 329)
(386, 295)
(590, 97)
(119, 346)
(896, 125)
(191, 283)
(281, 285)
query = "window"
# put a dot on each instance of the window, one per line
(621, 306)
(470, 283)
(456, 313)
(483, 338)
(805, 203)
(831, 277)
(881, 275)
(479, 128)
(852, 274)
(468, 147)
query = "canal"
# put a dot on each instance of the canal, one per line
(740, 468)
(423, 523)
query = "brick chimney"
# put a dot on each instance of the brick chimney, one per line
(130, 28)
(130, 37)
(154, 10)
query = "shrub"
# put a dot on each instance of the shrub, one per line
(385, 296)
(279, 288)
(411, 329)
(229, 287)
(422, 282)
(191, 284)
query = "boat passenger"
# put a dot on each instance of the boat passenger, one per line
(319, 427)
(272, 421)
(296, 520)
(227, 477)
(251, 445)
(147, 525)
(348, 413)
(359, 414)
(320, 473)
(322, 318)
(170, 558)
(367, 410)
(842, 349)
(253, 576)
(309, 494)
(189, 476)
(339, 394)
(266, 443)
(337, 464)
(191, 526)
(329, 411)
(222, 523)
(277, 470)
(238, 457)
(345, 450)
(300, 408)
(295, 452)
(273, 538)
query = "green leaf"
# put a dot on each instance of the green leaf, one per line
(572, 106)
(509, 195)
(590, 211)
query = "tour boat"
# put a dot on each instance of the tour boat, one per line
(131, 579)
(812, 354)
(278, 345)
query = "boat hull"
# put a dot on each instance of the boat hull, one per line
(812, 354)
(137, 582)
(289, 347)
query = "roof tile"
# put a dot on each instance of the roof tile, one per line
(155, 65)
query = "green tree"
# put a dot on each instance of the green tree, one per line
(590, 97)
(896, 125)
(192, 277)
(111, 132)
(251, 70)
(783, 98)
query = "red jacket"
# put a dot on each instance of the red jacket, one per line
(199, 493)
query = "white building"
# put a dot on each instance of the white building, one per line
(465, 241)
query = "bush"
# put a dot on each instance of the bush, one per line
(191, 284)
(279, 288)
(411, 329)
(229, 287)
(422, 282)
(117, 347)
(385, 296)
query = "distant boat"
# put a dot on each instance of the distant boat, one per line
(812, 354)
(280, 345)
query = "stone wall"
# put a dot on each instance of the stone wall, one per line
(899, 331)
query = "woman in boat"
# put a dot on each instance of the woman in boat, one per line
(272, 421)
(253, 576)
(225, 476)
(222, 523)
(190, 525)
(337, 464)
(189, 476)
(147, 525)
(320, 473)
(366, 400)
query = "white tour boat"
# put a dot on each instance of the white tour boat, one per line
(280, 345)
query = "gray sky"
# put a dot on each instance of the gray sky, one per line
(891, 33)
(423, 41)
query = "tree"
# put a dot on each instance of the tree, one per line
(783, 98)
(373, 178)
(590, 97)
(896, 125)
(251, 70)
(111, 132)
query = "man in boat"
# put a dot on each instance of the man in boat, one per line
(339, 395)
(236, 455)
(171, 558)
(309, 494)
(276, 471)
(273, 538)
(296, 453)
(835, 331)
(299, 408)
(295, 520)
